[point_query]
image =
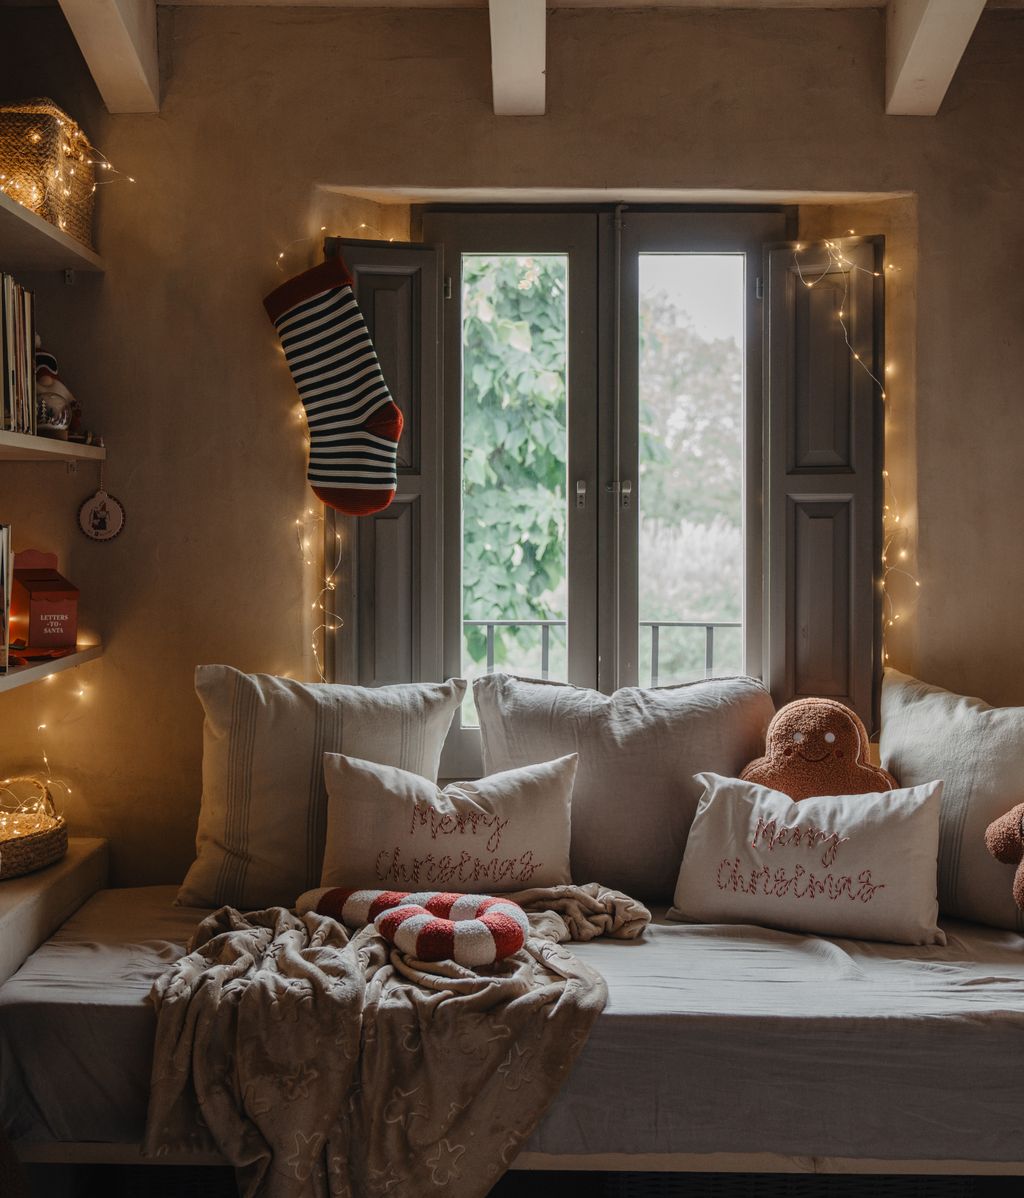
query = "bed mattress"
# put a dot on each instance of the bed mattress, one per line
(715, 1039)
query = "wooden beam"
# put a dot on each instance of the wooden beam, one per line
(518, 56)
(925, 40)
(118, 42)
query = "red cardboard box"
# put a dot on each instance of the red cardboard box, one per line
(44, 612)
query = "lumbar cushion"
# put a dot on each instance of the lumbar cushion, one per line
(635, 794)
(470, 929)
(817, 747)
(390, 827)
(836, 865)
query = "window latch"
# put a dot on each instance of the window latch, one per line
(581, 493)
(624, 490)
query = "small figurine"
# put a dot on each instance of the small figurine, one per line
(58, 413)
(56, 407)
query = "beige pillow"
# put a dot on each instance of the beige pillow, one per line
(263, 815)
(978, 751)
(841, 865)
(635, 794)
(389, 829)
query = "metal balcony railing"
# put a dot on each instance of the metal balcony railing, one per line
(655, 626)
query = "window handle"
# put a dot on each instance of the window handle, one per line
(581, 493)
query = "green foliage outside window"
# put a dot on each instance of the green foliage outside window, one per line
(514, 466)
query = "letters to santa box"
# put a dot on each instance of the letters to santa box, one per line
(44, 610)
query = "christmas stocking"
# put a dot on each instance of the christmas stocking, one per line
(354, 424)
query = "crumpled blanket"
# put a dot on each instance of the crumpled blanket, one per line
(324, 1063)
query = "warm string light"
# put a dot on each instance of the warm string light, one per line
(74, 146)
(27, 806)
(282, 253)
(20, 815)
(896, 537)
(309, 529)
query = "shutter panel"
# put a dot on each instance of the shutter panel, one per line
(823, 474)
(391, 560)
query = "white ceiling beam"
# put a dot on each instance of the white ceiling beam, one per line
(925, 40)
(118, 42)
(518, 56)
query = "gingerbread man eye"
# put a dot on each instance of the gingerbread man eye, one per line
(798, 738)
(830, 738)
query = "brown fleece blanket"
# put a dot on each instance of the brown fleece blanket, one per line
(321, 1062)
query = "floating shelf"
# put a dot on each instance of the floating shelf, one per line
(24, 447)
(27, 242)
(23, 675)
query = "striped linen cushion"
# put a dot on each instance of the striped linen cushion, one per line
(263, 816)
(978, 752)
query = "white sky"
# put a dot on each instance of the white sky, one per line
(707, 286)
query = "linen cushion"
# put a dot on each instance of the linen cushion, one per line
(635, 794)
(978, 751)
(263, 814)
(840, 865)
(389, 828)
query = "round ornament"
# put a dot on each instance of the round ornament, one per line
(101, 516)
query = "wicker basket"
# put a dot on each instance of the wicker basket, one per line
(23, 854)
(46, 164)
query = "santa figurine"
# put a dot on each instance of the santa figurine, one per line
(58, 413)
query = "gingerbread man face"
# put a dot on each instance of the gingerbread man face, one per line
(817, 747)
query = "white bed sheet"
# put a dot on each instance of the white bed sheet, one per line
(715, 1040)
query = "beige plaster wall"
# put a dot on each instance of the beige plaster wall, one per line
(177, 364)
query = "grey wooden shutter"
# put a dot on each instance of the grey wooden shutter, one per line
(823, 473)
(389, 582)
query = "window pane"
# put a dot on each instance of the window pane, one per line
(514, 454)
(691, 466)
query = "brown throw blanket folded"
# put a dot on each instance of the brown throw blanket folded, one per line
(323, 1063)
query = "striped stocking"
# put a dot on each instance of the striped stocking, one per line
(354, 424)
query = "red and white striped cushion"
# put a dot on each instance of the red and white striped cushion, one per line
(470, 929)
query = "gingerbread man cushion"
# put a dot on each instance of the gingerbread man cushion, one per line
(817, 747)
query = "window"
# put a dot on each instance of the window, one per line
(593, 486)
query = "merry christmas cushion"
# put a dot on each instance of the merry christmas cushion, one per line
(862, 866)
(390, 829)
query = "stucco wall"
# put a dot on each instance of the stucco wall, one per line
(173, 355)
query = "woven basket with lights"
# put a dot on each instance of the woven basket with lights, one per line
(46, 164)
(32, 834)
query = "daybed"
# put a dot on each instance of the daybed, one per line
(721, 1048)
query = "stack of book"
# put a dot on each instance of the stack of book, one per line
(17, 359)
(6, 567)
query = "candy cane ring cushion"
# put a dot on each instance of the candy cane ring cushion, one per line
(470, 929)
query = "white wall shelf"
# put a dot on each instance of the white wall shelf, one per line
(27, 242)
(23, 675)
(24, 447)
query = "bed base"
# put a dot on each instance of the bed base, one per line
(613, 1162)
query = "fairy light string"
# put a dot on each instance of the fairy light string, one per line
(310, 530)
(897, 541)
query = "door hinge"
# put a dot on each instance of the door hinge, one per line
(447, 286)
(759, 288)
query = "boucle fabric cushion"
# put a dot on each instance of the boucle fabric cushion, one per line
(978, 751)
(635, 794)
(817, 747)
(389, 828)
(263, 814)
(839, 865)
